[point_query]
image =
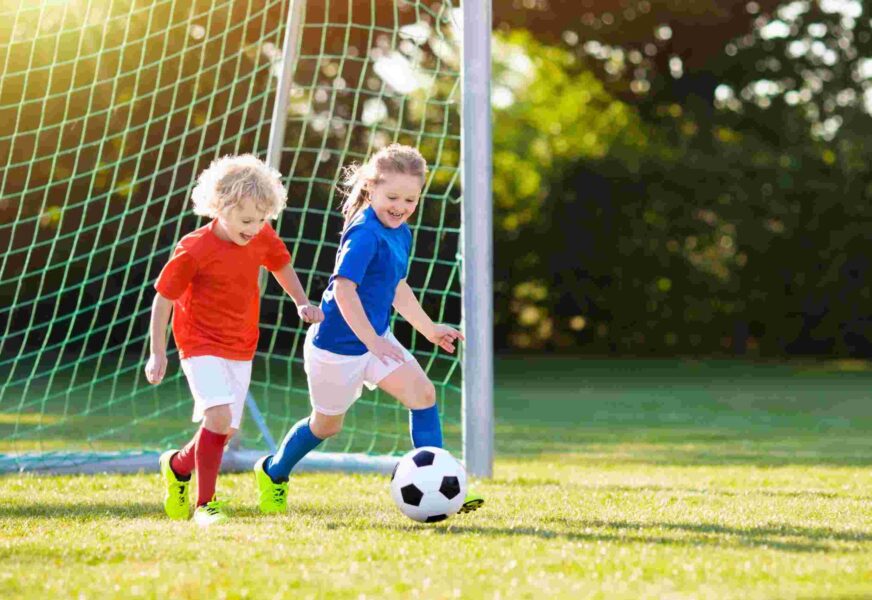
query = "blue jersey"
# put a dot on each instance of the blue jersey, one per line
(376, 258)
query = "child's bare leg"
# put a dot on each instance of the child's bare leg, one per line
(325, 426)
(410, 385)
(217, 419)
(414, 390)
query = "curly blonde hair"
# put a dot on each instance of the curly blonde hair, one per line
(229, 180)
(356, 179)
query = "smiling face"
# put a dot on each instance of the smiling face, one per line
(395, 197)
(239, 224)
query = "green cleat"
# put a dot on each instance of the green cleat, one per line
(471, 503)
(176, 503)
(211, 513)
(272, 496)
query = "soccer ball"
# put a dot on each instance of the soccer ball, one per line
(428, 484)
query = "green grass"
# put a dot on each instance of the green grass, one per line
(615, 479)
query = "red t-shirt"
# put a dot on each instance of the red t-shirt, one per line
(214, 288)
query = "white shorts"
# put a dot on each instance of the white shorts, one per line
(218, 381)
(337, 380)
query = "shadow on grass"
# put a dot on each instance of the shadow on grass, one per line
(86, 511)
(747, 492)
(672, 412)
(777, 530)
(535, 482)
(780, 537)
(98, 511)
(776, 536)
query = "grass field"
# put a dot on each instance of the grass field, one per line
(614, 479)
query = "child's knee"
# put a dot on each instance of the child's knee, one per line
(327, 430)
(217, 419)
(324, 427)
(429, 395)
(424, 397)
(230, 433)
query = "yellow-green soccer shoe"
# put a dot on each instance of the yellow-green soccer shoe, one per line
(471, 503)
(176, 503)
(211, 513)
(272, 496)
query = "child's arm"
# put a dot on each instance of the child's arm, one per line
(348, 301)
(156, 367)
(287, 278)
(407, 305)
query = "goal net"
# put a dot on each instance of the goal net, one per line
(108, 111)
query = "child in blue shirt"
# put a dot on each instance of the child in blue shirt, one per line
(354, 345)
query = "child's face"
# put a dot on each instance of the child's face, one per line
(395, 197)
(242, 222)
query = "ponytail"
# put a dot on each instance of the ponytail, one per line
(358, 196)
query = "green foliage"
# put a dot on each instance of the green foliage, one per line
(696, 227)
(550, 112)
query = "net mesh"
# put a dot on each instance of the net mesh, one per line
(109, 110)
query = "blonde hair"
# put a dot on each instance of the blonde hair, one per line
(357, 179)
(231, 179)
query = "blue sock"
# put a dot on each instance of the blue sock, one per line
(425, 427)
(297, 444)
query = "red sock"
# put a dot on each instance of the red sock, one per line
(182, 462)
(207, 456)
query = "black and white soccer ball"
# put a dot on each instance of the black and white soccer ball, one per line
(428, 484)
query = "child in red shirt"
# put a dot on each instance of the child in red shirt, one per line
(210, 285)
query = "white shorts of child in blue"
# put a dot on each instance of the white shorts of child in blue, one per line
(216, 381)
(336, 380)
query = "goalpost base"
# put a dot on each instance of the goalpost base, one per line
(235, 461)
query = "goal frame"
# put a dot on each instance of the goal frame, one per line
(476, 241)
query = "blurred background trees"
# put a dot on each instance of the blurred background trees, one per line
(670, 176)
(683, 177)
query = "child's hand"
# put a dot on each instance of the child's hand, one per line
(309, 313)
(156, 368)
(445, 337)
(385, 350)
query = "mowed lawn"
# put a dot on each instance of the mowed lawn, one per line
(614, 479)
